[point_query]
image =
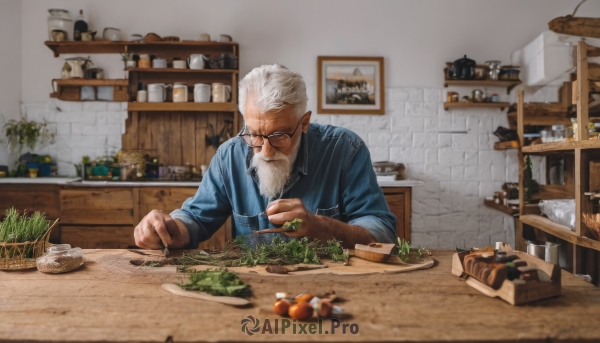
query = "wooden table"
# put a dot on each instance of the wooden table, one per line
(93, 304)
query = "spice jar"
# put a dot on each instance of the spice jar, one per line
(60, 258)
(452, 97)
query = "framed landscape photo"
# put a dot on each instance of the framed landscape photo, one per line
(350, 85)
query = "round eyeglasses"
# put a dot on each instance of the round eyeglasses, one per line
(277, 140)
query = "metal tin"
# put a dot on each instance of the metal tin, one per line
(537, 249)
(551, 251)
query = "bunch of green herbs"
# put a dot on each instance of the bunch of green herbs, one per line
(404, 249)
(217, 282)
(18, 229)
(294, 225)
(278, 252)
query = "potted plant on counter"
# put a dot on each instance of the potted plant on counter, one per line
(24, 133)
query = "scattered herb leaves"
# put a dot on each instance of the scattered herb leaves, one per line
(217, 282)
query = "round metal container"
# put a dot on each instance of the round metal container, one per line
(551, 251)
(537, 249)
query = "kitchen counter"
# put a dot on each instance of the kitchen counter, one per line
(75, 181)
(93, 304)
(51, 180)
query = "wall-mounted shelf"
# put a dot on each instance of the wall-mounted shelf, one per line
(505, 209)
(506, 145)
(542, 114)
(509, 84)
(182, 106)
(558, 230)
(110, 47)
(70, 89)
(561, 146)
(501, 105)
(175, 70)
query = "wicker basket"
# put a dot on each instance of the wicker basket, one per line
(17, 256)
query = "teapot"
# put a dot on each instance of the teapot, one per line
(197, 61)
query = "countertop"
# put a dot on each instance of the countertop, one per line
(79, 183)
(103, 302)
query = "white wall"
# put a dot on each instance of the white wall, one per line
(452, 151)
(10, 67)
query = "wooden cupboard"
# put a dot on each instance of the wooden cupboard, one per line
(105, 217)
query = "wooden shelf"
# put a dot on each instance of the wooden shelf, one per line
(561, 146)
(506, 145)
(176, 70)
(558, 230)
(504, 209)
(182, 106)
(541, 114)
(110, 47)
(70, 89)
(509, 84)
(501, 105)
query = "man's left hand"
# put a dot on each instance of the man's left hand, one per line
(286, 210)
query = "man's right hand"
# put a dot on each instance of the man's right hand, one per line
(158, 230)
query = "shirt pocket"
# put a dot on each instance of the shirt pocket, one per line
(245, 224)
(333, 212)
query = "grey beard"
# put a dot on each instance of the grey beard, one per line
(274, 173)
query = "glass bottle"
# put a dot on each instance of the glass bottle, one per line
(80, 26)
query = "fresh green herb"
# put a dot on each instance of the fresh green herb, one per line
(216, 282)
(23, 133)
(278, 252)
(86, 160)
(19, 229)
(530, 185)
(403, 249)
(294, 225)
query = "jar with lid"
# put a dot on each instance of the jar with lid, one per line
(558, 131)
(494, 69)
(59, 25)
(60, 258)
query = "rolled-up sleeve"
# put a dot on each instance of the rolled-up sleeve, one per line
(364, 202)
(204, 213)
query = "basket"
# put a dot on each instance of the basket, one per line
(17, 256)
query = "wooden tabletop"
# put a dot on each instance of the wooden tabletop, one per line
(94, 304)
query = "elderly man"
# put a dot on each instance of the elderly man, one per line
(280, 167)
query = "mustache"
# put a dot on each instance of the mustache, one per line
(278, 156)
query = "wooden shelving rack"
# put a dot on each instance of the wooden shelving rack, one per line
(176, 133)
(582, 251)
(70, 89)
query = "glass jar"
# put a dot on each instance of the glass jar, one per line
(59, 25)
(494, 69)
(558, 131)
(60, 258)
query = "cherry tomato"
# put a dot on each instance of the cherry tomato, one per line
(281, 307)
(304, 298)
(301, 311)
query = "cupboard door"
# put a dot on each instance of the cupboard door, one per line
(169, 199)
(31, 198)
(104, 206)
(98, 237)
(398, 200)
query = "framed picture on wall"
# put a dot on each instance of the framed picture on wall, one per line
(350, 85)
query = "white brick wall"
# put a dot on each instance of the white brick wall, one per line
(451, 151)
(82, 128)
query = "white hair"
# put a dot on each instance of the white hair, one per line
(273, 87)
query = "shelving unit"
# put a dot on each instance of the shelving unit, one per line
(582, 251)
(111, 47)
(505, 209)
(501, 105)
(508, 84)
(182, 106)
(70, 89)
(175, 70)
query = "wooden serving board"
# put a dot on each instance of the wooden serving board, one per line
(515, 294)
(357, 266)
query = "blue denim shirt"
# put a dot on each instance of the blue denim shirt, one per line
(332, 175)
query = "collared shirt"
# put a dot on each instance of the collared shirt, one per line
(332, 175)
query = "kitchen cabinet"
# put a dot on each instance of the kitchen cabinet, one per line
(31, 198)
(105, 217)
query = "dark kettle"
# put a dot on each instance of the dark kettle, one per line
(462, 69)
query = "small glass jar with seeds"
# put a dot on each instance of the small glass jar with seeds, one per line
(60, 258)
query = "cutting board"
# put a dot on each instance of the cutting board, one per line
(357, 266)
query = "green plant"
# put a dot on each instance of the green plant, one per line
(240, 253)
(25, 133)
(18, 229)
(294, 225)
(403, 249)
(86, 160)
(216, 282)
